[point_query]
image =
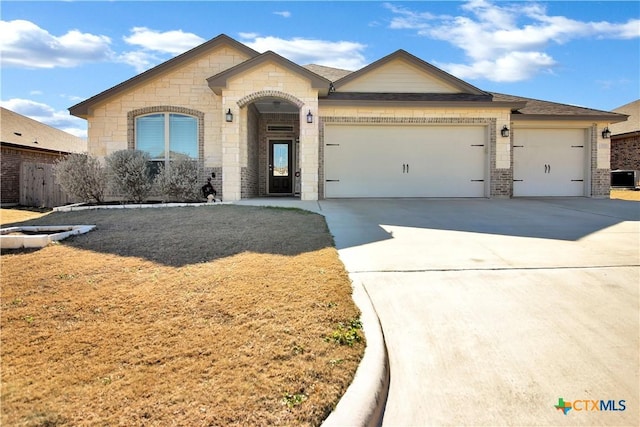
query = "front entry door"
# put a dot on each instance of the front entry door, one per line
(280, 167)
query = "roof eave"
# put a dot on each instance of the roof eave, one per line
(38, 149)
(568, 117)
(626, 134)
(395, 103)
(83, 109)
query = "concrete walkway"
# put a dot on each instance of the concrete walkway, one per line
(492, 310)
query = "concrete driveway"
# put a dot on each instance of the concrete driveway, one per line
(492, 310)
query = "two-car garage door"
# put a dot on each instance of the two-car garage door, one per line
(405, 161)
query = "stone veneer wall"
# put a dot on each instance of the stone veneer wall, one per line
(501, 189)
(625, 152)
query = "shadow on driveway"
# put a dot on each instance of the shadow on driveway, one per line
(362, 221)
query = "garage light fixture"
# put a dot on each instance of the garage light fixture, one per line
(505, 131)
(309, 117)
(606, 133)
(229, 116)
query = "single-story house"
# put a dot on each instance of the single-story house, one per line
(625, 139)
(24, 140)
(399, 127)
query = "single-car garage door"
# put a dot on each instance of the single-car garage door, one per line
(549, 162)
(405, 161)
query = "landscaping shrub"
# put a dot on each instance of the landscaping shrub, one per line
(81, 176)
(129, 174)
(179, 182)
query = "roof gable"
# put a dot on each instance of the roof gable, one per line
(219, 81)
(402, 72)
(82, 109)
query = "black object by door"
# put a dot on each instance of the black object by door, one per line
(280, 168)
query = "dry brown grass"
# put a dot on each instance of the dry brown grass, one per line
(626, 195)
(8, 216)
(178, 316)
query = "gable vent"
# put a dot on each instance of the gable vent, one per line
(279, 128)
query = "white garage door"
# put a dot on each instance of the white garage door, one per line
(549, 162)
(405, 161)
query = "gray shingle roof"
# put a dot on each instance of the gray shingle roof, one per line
(328, 73)
(533, 108)
(631, 109)
(538, 109)
(21, 131)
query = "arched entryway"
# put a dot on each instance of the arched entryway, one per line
(272, 145)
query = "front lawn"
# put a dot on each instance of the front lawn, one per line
(223, 315)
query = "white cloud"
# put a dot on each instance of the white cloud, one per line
(24, 44)
(156, 46)
(340, 54)
(510, 67)
(284, 14)
(45, 114)
(248, 36)
(408, 19)
(172, 42)
(505, 42)
(141, 60)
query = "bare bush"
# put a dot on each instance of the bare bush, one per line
(179, 182)
(81, 176)
(129, 174)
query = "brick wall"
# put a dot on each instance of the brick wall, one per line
(600, 178)
(250, 174)
(625, 152)
(10, 161)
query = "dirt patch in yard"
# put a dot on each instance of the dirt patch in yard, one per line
(177, 316)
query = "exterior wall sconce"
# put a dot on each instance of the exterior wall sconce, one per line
(606, 133)
(229, 116)
(309, 117)
(504, 131)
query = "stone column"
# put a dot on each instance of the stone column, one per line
(309, 152)
(231, 179)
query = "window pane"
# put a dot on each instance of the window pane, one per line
(281, 159)
(183, 136)
(150, 135)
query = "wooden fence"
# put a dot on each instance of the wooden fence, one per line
(38, 187)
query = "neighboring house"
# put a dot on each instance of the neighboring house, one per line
(24, 140)
(625, 139)
(399, 127)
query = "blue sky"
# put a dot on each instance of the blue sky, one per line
(56, 54)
